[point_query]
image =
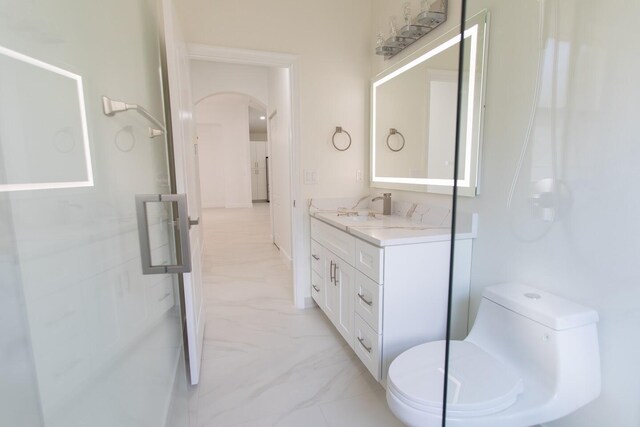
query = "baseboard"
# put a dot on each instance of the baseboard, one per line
(286, 258)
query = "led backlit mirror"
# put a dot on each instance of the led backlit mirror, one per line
(414, 109)
(44, 142)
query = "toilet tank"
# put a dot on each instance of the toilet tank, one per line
(552, 341)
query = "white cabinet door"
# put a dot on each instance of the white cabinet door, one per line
(344, 282)
(330, 303)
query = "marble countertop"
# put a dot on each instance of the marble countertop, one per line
(389, 230)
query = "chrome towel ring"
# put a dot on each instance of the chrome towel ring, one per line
(333, 138)
(394, 131)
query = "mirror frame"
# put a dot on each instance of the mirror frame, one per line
(468, 185)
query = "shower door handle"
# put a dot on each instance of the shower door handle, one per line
(183, 249)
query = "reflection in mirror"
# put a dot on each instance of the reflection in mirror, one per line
(44, 126)
(415, 103)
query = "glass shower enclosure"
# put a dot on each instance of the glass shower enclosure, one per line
(556, 206)
(85, 338)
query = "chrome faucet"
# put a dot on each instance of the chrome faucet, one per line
(386, 203)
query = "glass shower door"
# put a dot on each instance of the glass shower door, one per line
(85, 338)
(558, 213)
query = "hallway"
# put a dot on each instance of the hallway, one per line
(266, 363)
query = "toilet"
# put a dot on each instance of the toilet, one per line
(531, 357)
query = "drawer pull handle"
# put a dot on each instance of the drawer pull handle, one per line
(364, 345)
(316, 288)
(164, 297)
(316, 257)
(369, 303)
(335, 274)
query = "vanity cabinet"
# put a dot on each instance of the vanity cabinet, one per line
(386, 299)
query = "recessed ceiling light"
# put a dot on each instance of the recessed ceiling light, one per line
(263, 118)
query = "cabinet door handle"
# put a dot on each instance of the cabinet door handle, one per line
(331, 271)
(364, 345)
(315, 287)
(335, 274)
(316, 257)
(369, 303)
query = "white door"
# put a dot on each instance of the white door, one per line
(187, 181)
(279, 182)
(258, 170)
(276, 196)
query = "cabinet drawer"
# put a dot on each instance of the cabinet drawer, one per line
(366, 344)
(368, 297)
(370, 260)
(317, 258)
(337, 241)
(317, 289)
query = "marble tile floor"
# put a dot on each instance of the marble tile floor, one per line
(266, 363)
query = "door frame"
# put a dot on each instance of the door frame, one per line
(228, 55)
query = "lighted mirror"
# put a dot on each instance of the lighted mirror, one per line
(44, 141)
(414, 109)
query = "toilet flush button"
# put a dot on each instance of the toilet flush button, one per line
(531, 295)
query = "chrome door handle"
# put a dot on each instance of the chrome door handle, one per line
(364, 345)
(193, 222)
(316, 257)
(184, 244)
(331, 272)
(316, 288)
(369, 303)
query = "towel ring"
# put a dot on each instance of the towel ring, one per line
(393, 131)
(333, 138)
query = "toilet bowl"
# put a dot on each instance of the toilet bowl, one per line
(531, 357)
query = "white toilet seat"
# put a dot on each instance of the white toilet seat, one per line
(478, 385)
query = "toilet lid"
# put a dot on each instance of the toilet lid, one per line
(478, 383)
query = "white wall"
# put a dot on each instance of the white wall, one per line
(223, 139)
(589, 252)
(209, 78)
